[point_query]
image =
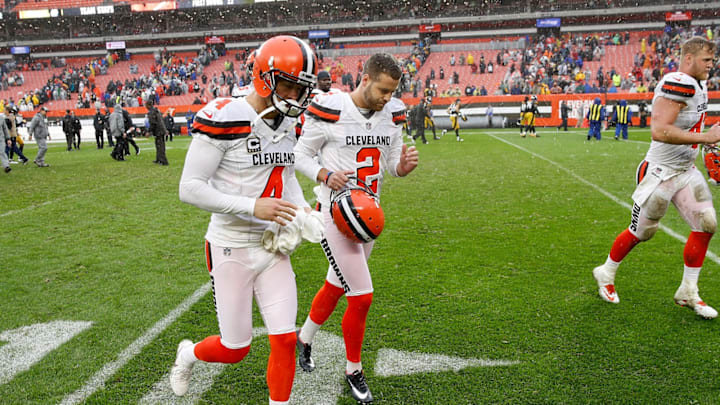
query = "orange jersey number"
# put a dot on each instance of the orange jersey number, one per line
(698, 126)
(372, 169)
(222, 103)
(274, 186)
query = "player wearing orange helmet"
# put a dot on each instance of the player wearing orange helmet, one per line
(353, 134)
(240, 168)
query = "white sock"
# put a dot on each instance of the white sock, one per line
(308, 331)
(352, 367)
(611, 266)
(278, 402)
(690, 276)
(187, 355)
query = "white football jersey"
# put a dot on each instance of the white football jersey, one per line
(686, 89)
(337, 132)
(243, 91)
(317, 91)
(231, 163)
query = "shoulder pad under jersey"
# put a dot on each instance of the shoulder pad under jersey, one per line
(224, 118)
(677, 86)
(326, 107)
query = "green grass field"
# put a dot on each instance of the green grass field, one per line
(487, 253)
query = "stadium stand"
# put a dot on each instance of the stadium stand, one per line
(56, 4)
(565, 61)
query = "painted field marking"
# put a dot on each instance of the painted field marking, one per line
(203, 375)
(29, 344)
(322, 386)
(610, 135)
(392, 362)
(712, 256)
(325, 384)
(97, 381)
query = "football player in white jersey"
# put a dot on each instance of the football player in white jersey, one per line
(668, 174)
(354, 134)
(240, 167)
(455, 116)
(324, 84)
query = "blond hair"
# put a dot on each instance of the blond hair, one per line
(696, 44)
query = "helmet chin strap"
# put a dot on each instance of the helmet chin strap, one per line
(277, 137)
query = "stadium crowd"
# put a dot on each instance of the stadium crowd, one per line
(551, 65)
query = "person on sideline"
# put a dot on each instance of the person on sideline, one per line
(38, 128)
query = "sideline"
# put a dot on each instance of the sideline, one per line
(712, 256)
(606, 135)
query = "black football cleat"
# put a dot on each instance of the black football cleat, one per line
(304, 349)
(358, 387)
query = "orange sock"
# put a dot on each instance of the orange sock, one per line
(281, 366)
(212, 350)
(353, 325)
(623, 244)
(325, 302)
(696, 248)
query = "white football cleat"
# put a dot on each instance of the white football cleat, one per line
(179, 373)
(688, 297)
(606, 285)
(444, 131)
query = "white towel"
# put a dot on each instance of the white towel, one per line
(285, 239)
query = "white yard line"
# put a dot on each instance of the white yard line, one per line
(97, 381)
(599, 189)
(609, 135)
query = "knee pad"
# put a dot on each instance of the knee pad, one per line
(708, 221)
(655, 207)
(646, 233)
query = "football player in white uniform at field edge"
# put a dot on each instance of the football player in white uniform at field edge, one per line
(668, 174)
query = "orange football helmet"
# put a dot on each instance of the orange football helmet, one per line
(356, 212)
(712, 164)
(288, 58)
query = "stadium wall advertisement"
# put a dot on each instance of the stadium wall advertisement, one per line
(506, 109)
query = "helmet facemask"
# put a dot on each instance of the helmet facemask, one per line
(289, 107)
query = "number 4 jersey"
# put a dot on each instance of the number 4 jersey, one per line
(231, 164)
(683, 88)
(344, 138)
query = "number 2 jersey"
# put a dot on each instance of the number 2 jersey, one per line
(683, 88)
(231, 163)
(344, 139)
